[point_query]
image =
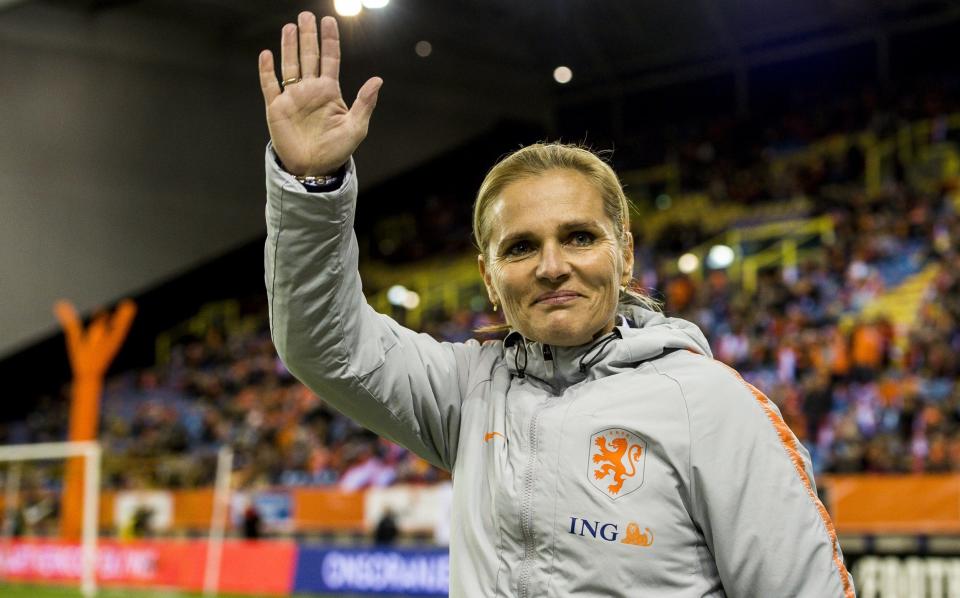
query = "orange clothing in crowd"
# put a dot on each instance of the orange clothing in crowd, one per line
(679, 293)
(837, 357)
(868, 345)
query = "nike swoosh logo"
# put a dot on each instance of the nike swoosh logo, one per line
(489, 436)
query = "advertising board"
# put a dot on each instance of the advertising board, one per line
(394, 571)
(906, 577)
(247, 567)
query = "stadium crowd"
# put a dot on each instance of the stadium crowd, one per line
(862, 395)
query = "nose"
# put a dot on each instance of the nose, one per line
(553, 265)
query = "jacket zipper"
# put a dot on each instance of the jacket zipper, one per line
(526, 505)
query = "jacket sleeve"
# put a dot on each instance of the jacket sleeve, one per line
(401, 385)
(753, 493)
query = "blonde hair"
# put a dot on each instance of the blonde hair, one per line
(536, 159)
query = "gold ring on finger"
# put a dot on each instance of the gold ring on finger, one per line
(289, 81)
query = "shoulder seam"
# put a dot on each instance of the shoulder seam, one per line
(686, 411)
(276, 250)
(497, 364)
(691, 481)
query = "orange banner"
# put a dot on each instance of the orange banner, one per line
(911, 504)
(320, 509)
(314, 510)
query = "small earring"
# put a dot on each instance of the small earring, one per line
(494, 307)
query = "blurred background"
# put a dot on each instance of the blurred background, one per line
(794, 171)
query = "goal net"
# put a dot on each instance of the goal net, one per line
(14, 460)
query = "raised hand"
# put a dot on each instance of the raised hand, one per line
(312, 129)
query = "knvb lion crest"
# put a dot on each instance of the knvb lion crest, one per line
(617, 457)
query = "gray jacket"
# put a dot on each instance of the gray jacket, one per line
(634, 466)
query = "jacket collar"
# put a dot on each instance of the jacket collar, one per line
(643, 334)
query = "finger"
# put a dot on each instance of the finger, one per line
(329, 48)
(309, 49)
(289, 61)
(268, 77)
(366, 101)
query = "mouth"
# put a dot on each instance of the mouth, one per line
(556, 297)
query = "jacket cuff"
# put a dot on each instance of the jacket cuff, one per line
(340, 176)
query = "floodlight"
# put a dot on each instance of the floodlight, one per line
(412, 300)
(688, 263)
(347, 8)
(720, 256)
(562, 74)
(397, 295)
(423, 48)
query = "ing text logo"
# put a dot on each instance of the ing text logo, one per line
(610, 532)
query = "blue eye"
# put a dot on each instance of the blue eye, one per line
(518, 248)
(582, 238)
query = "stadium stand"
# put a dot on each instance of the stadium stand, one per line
(866, 388)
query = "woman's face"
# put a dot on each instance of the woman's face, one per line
(553, 262)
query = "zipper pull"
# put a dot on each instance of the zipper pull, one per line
(548, 360)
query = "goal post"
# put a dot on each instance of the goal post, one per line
(91, 453)
(218, 522)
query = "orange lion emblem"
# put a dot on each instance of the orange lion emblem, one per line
(634, 536)
(616, 457)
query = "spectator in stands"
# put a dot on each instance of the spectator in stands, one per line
(385, 534)
(252, 523)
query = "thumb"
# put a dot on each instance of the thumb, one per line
(366, 101)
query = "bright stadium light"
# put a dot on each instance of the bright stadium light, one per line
(720, 256)
(412, 300)
(375, 3)
(347, 8)
(400, 296)
(688, 263)
(423, 48)
(397, 295)
(562, 74)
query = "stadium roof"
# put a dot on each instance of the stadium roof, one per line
(601, 41)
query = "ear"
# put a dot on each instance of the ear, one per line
(487, 280)
(627, 275)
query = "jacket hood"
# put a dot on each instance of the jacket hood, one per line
(643, 334)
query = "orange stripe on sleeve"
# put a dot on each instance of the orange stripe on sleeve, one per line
(787, 441)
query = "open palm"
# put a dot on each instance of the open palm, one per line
(312, 129)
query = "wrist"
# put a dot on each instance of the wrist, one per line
(318, 181)
(306, 172)
(315, 182)
(325, 183)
